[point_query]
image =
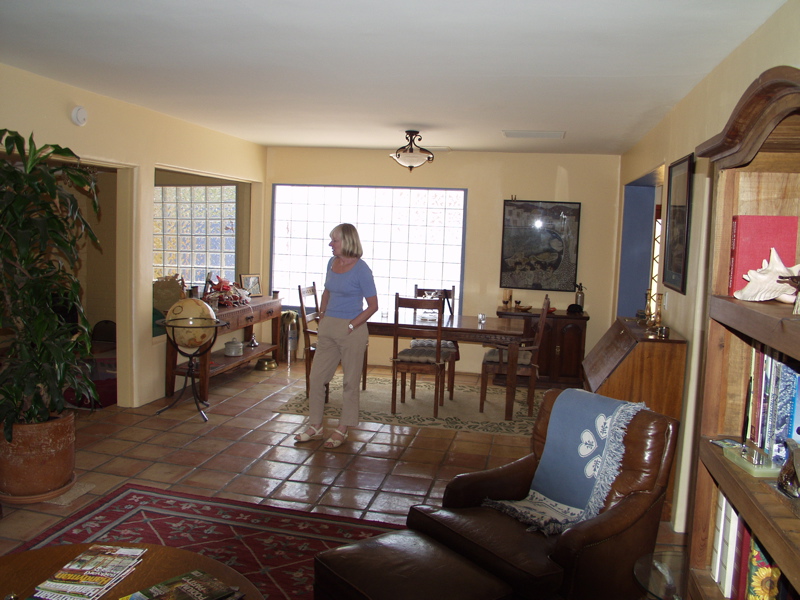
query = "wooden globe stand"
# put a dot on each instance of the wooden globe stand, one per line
(193, 356)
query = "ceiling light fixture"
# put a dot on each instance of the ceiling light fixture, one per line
(411, 155)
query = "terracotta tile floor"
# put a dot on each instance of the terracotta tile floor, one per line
(246, 451)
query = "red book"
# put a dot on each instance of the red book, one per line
(739, 591)
(752, 238)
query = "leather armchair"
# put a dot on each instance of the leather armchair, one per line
(593, 559)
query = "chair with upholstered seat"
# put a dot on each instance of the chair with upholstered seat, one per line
(429, 359)
(309, 322)
(449, 296)
(495, 361)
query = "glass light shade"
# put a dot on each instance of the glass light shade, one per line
(411, 159)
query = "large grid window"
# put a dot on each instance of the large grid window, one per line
(194, 232)
(410, 236)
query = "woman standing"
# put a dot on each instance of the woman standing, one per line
(343, 334)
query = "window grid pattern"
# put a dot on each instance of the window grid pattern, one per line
(410, 236)
(194, 232)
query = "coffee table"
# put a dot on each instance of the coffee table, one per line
(21, 572)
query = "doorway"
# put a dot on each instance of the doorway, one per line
(639, 251)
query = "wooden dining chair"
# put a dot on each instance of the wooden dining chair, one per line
(495, 361)
(449, 296)
(422, 359)
(310, 322)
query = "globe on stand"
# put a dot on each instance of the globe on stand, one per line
(190, 323)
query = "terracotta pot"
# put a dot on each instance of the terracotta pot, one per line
(39, 463)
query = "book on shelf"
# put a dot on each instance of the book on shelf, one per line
(719, 528)
(763, 574)
(786, 406)
(194, 585)
(752, 238)
(90, 574)
(728, 548)
(739, 591)
(772, 410)
(730, 538)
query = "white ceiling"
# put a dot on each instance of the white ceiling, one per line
(357, 73)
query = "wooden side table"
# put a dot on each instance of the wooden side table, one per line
(21, 572)
(214, 363)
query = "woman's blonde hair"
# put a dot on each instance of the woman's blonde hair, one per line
(351, 243)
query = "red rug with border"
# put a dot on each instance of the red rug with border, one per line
(273, 547)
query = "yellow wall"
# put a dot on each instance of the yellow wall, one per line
(489, 178)
(135, 141)
(699, 116)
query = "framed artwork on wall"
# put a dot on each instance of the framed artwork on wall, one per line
(540, 245)
(252, 283)
(678, 218)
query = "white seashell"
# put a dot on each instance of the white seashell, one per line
(763, 283)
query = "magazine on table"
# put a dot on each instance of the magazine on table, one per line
(194, 585)
(90, 574)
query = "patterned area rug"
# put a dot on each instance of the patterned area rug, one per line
(461, 413)
(274, 548)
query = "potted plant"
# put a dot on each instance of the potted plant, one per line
(46, 336)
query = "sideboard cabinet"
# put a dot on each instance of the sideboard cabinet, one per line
(563, 345)
(756, 164)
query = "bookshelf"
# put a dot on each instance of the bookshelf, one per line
(756, 163)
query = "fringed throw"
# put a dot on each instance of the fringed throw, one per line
(580, 461)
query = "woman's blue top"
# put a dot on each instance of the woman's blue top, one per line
(346, 291)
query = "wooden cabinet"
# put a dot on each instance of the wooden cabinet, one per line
(563, 345)
(756, 161)
(214, 363)
(630, 363)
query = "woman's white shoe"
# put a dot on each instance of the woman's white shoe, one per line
(311, 433)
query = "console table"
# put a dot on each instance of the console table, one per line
(631, 363)
(563, 345)
(214, 363)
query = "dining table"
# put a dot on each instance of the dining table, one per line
(492, 331)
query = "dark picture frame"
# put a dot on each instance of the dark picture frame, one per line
(251, 283)
(678, 220)
(540, 245)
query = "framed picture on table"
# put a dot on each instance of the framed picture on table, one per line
(252, 283)
(540, 245)
(678, 218)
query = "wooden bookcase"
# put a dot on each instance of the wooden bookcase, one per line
(756, 161)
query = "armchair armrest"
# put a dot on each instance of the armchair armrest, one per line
(605, 526)
(509, 482)
(603, 550)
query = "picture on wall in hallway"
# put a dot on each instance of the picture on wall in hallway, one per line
(679, 212)
(540, 245)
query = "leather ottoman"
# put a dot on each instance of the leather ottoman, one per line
(401, 565)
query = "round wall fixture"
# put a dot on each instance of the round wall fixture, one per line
(79, 116)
